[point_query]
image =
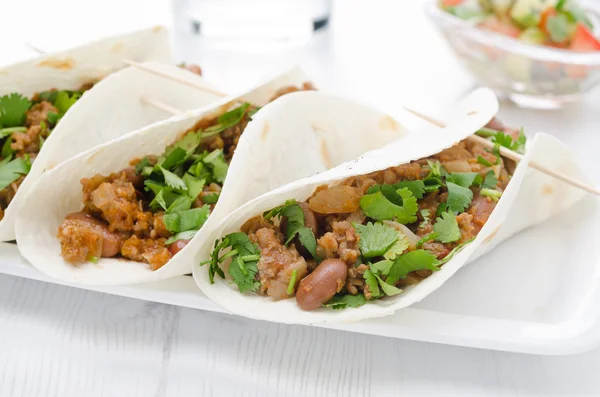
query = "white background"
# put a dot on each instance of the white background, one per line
(60, 341)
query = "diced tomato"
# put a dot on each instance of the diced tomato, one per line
(584, 40)
(496, 25)
(451, 3)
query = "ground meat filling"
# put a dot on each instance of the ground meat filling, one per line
(277, 263)
(26, 142)
(333, 212)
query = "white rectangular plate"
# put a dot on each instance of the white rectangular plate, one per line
(538, 292)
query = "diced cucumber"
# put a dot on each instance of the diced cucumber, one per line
(498, 7)
(527, 13)
(533, 36)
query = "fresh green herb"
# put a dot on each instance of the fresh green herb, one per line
(486, 132)
(13, 170)
(194, 185)
(295, 226)
(433, 181)
(187, 235)
(4, 132)
(490, 180)
(442, 207)
(372, 284)
(64, 100)
(244, 261)
(388, 289)
(560, 5)
(382, 268)
(210, 198)
(398, 247)
(226, 120)
(483, 161)
(12, 110)
(426, 238)
(454, 251)
(292, 284)
(446, 228)
(182, 221)
(375, 238)
(143, 163)
(94, 259)
(216, 161)
(417, 188)
(410, 262)
(464, 179)
(491, 193)
(173, 180)
(181, 203)
(425, 213)
(399, 204)
(343, 301)
(459, 198)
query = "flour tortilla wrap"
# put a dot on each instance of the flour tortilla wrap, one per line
(530, 194)
(110, 109)
(264, 159)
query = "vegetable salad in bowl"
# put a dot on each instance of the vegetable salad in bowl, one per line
(537, 53)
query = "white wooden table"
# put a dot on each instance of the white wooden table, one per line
(59, 341)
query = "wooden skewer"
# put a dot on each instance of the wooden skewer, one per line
(503, 151)
(170, 76)
(160, 105)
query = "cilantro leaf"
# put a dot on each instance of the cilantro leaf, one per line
(216, 161)
(375, 238)
(182, 221)
(426, 238)
(388, 289)
(194, 185)
(491, 193)
(12, 170)
(410, 262)
(173, 180)
(308, 240)
(483, 161)
(6, 149)
(344, 301)
(490, 180)
(12, 110)
(446, 228)
(295, 226)
(187, 235)
(226, 120)
(425, 213)
(4, 132)
(64, 100)
(173, 158)
(381, 268)
(455, 251)
(372, 283)
(417, 188)
(378, 207)
(210, 198)
(398, 247)
(459, 198)
(464, 179)
(181, 203)
(244, 261)
(143, 163)
(292, 284)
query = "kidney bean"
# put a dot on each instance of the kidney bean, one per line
(111, 241)
(322, 284)
(177, 246)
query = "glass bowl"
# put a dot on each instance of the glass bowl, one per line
(532, 76)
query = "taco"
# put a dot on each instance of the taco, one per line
(126, 209)
(36, 97)
(374, 235)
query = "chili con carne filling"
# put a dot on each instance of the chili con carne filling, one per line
(371, 235)
(149, 211)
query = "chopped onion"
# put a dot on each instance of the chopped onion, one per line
(412, 238)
